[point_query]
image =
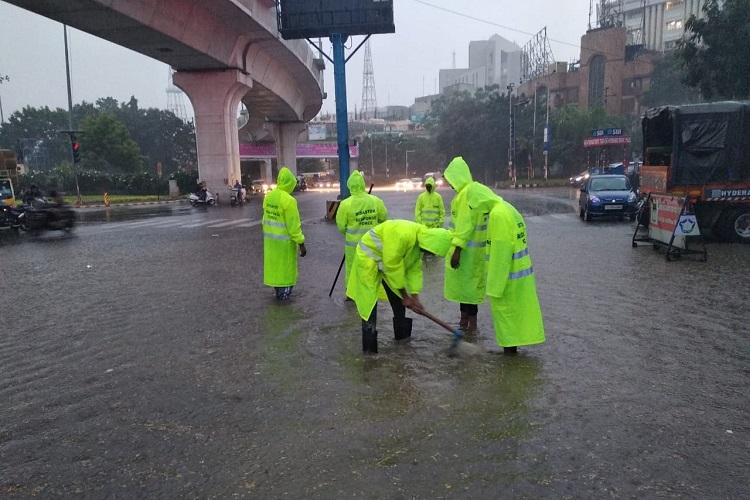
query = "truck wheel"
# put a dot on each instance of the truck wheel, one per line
(740, 225)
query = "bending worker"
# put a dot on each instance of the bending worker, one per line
(511, 285)
(388, 264)
(282, 236)
(430, 209)
(358, 214)
(465, 269)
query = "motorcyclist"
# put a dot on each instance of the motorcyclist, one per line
(202, 192)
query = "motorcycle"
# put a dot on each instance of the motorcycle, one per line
(197, 201)
(9, 218)
(236, 196)
(42, 215)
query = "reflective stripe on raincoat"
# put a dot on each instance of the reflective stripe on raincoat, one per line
(465, 285)
(391, 251)
(282, 233)
(357, 215)
(430, 209)
(511, 284)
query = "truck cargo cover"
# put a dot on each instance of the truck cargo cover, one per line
(712, 141)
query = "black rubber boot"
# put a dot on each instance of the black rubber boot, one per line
(369, 339)
(510, 350)
(402, 329)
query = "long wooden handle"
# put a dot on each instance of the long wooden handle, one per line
(435, 320)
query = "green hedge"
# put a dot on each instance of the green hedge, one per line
(94, 182)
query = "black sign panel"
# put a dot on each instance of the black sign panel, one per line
(320, 18)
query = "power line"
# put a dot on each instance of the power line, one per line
(491, 23)
(579, 46)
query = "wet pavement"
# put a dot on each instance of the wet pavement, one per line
(142, 357)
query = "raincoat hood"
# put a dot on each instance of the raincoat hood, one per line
(356, 182)
(458, 174)
(435, 240)
(482, 198)
(430, 182)
(286, 181)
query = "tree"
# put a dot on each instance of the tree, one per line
(716, 50)
(668, 84)
(107, 145)
(162, 137)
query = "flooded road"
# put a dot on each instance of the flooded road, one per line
(144, 358)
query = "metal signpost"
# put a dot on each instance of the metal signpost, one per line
(338, 20)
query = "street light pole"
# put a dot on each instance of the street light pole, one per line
(511, 135)
(407, 162)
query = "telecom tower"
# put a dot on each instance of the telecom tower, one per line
(369, 99)
(175, 98)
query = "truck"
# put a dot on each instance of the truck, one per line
(702, 152)
(8, 173)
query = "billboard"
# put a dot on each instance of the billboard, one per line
(317, 132)
(320, 18)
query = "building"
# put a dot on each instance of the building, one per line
(657, 24)
(495, 61)
(611, 74)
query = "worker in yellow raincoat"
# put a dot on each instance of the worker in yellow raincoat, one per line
(388, 264)
(357, 215)
(282, 236)
(511, 285)
(466, 268)
(430, 209)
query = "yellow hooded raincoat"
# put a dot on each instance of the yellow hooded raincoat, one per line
(282, 233)
(430, 209)
(465, 285)
(391, 251)
(511, 285)
(357, 215)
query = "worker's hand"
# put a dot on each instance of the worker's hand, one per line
(456, 258)
(412, 302)
(302, 250)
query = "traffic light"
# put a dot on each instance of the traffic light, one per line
(75, 146)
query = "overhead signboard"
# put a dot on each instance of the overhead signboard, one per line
(321, 18)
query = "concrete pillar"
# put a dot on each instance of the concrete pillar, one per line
(353, 165)
(215, 96)
(268, 171)
(286, 135)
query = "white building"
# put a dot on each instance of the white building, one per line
(496, 61)
(658, 24)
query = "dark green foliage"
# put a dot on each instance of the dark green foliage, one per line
(716, 51)
(668, 85)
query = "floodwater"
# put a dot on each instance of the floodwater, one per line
(147, 360)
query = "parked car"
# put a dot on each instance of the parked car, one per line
(607, 195)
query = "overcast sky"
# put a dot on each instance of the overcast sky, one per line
(31, 52)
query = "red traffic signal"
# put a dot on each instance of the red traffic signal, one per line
(75, 146)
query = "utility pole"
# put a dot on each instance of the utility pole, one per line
(511, 137)
(71, 131)
(547, 139)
